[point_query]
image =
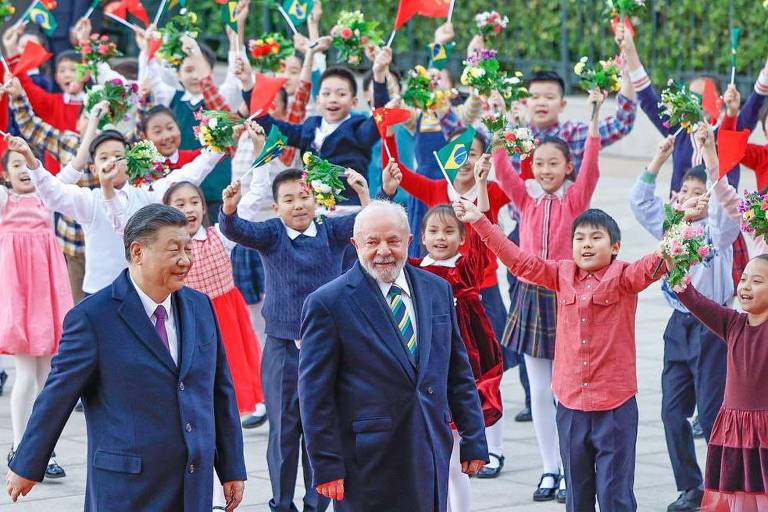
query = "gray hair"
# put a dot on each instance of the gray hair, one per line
(145, 223)
(380, 207)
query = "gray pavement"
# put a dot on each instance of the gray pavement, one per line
(654, 485)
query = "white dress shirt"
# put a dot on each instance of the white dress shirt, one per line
(402, 282)
(324, 130)
(170, 323)
(311, 231)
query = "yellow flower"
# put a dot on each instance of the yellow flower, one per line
(579, 67)
(193, 17)
(307, 158)
(749, 215)
(420, 70)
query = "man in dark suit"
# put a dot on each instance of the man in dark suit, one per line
(146, 356)
(382, 374)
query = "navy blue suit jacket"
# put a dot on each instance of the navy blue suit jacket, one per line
(155, 431)
(372, 417)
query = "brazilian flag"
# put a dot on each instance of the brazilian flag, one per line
(298, 10)
(439, 54)
(40, 15)
(273, 147)
(228, 14)
(455, 154)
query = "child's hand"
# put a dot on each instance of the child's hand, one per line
(244, 73)
(391, 176)
(596, 98)
(14, 88)
(108, 174)
(82, 30)
(381, 63)
(99, 111)
(243, 6)
(257, 135)
(317, 12)
(704, 136)
(300, 42)
(358, 183)
(732, 100)
(665, 149)
(519, 112)
(11, 39)
(476, 44)
(496, 102)
(444, 33)
(19, 145)
(483, 168)
(694, 207)
(466, 211)
(321, 45)
(231, 198)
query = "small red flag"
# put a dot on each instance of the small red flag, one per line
(153, 45)
(386, 117)
(122, 8)
(627, 25)
(267, 87)
(49, 4)
(32, 57)
(710, 101)
(526, 168)
(429, 8)
(731, 148)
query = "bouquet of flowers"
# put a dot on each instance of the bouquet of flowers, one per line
(216, 130)
(684, 244)
(517, 141)
(94, 50)
(144, 163)
(681, 106)
(183, 24)
(490, 23)
(421, 91)
(511, 88)
(120, 95)
(494, 121)
(352, 34)
(614, 8)
(481, 72)
(7, 9)
(322, 178)
(269, 51)
(753, 209)
(604, 76)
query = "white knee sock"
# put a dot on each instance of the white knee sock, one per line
(459, 488)
(544, 412)
(23, 395)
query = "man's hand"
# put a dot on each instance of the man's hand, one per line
(471, 467)
(467, 212)
(233, 492)
(17, 485)
(359, 185)
(231, 198)
(732, 100)
(391, 176)
(333, 490)
(444, 33)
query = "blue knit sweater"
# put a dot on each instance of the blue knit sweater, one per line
(292, 268)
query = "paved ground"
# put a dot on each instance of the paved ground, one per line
(512, 491)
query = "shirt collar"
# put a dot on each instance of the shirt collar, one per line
(201, 235)
(311, 231)
(583, 274)
(326, 127)
(174, 158)
(149, 304)
(535, 191)
(469, 195)
(401, 281)
(193, 99)
(450, 262)
(74, 98)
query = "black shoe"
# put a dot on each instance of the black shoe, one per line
(54, 471)
(524, 416)
(3, 378)
(698, 432)
(488, 472)
(688, 501)
(547, 493)
(562, 495)
(254, 421)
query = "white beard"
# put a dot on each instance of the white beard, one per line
(385, 276)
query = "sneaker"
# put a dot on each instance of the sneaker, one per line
(524, 416)
(688, 501)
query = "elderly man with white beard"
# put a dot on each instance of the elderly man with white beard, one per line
(383, 373)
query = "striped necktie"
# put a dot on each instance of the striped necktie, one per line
(402, 319)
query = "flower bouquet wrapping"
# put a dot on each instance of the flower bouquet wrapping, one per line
(517, 141)
(170, 50)
(512, 88)
(95, 49)
(490, 23)
(753, 209)
(216, 130)
(7, 9)
(352, 34)
(269, 51)
(322, 178)
(684, 244)
(121, 96)
(481, 72)
(421, 91)
(144, 163)
(681, 106)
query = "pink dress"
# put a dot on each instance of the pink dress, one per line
(35, 283)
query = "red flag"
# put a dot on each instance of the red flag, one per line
(526, 168)
(731, 148)
(386, 117)
(627, 25)
(267, 87)
(430, 8)
(32, 57)
(710, 101)
(122, 8)
(153, 45)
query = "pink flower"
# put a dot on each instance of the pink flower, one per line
(764, 204)
(103, 49)
(116, 81)
(698, 230)
(703, 251)
(105, 38)
(364, 40)
(687, 233)
(333, 31)
(86, 50)
(497, 29)
(94, 36)
(346, 33)
(676, 249)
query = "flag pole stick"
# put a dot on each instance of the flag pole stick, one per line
(159, 12)
(391, 38)
(678, 131)
(445, 174)
(450, 10)
(5, 65)
(21, 18)
(386, 148)
(287, 19)
(90, 11)
(123, 22)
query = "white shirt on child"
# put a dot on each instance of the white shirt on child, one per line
(450, 262)
(324, 130)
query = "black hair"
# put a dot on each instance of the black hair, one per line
(763, 257)
(598, 219)
(103, 137)
(368, 79)
(547, 76)
(32, 29)
(68, 56)
(443, 211)
(181, 184)
(153, 112)
(283, 96)
(698, 173)
(144, 224)
(208, 54)
(290, 174)
(129, 68)
(479, 136)
(342, 73)
(559, 143)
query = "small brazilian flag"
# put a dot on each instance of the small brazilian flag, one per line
(229, 14)
(40, 15)
(298, 10)
(439, 53)
(273, 147)
(454, 155)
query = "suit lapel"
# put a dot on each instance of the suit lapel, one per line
(185, 326)
(423, 304)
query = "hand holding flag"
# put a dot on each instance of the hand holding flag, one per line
(454, 155)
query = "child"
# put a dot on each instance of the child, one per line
(756, 156)
(694, 359)
(159, 126)
(736, 470)
(299, 256)
(730, 199)
(104, 255)
(442, 234)
(36, 296)
(594, 376)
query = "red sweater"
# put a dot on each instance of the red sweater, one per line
(185, 156)
(756, 157)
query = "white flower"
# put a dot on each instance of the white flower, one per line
(213, 122)
(200, 138)
(321, 187)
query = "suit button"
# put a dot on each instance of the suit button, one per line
(181, 386)
(429, 390)
(191, 468)
(188, 427)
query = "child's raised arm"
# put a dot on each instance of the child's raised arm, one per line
(256, 235)
(647, 208)
(482, 170)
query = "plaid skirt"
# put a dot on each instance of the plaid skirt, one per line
(532, 322)
(248, 273)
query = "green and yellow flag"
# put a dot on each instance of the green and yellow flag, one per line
(439, 54)
(298, 10)
(455, 154)
(41, 16)
(273, 147)
(229, 13)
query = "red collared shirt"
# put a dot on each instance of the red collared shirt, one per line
(595, 359)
